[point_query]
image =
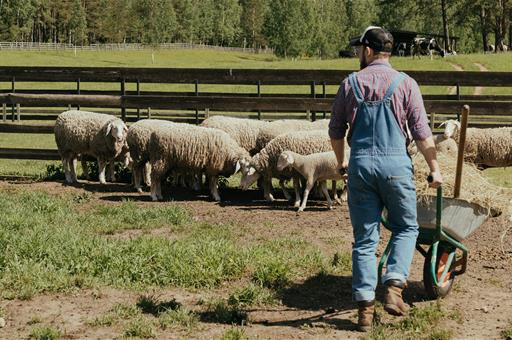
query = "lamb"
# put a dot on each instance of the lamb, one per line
(278, 127)
(137, 138)
(490, 147)
(443, 145)
(314, 167)
(244, 131)
(190, 148)
(264, 164)
(87, 133)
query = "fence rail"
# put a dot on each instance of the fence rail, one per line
(37, 46)
(192, 106)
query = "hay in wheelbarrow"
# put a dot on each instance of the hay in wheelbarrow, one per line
(475, 187)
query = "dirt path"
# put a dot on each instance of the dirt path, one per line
(479, 89)
(316, 308)
(456, 67)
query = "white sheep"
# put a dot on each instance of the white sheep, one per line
(279, 127)
(443, 145)
(264, 164)
(184, 147)
(124, 158)
(137, 138)
(243, 130)
(87, 133)
(317, 167)
(489, 147)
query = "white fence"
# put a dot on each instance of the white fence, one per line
(106, 47)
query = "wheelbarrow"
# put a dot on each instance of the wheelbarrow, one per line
(443, 224)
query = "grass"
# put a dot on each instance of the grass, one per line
(45, 333)
(234, 333)
(507, 333)
(422, 323)
(55, 244)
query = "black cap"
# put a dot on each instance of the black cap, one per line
(375, 37)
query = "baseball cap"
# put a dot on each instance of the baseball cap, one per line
(376, 38)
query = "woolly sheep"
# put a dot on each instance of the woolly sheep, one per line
(137, 138)
(124, 157)
(443, 145)
(279, 127)
(314, 167)
(490, 147)
(264, 164)
(87, 133)
(185, 147)
(244, 131)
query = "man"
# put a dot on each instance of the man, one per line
(377, 106)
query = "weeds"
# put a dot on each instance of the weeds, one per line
(507, 333)
(149, 304)
(251, 295)
(235, 333)
(180, 317)
(45, 333)
(222, 312)
(140, 327)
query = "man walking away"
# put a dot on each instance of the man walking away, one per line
(377, 105)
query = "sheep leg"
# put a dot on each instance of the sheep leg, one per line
(156, 190)
(112, 171)
(323, 185)
(137, 176)
(214, 187)
(296, 187)
(147, 174)
(309, 186)
(197, 182)
(67, 172)
(267, 192)
(285, 192)
(85, 169)
(335, 193)
(73, 170)
(101, 170)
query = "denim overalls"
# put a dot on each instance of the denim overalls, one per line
(380, 175)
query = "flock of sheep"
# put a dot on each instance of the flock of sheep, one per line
(221, 146)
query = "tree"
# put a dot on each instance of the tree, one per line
(252, 20)
(226, 23)
(77, 24)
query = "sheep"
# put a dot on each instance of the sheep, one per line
(443, 145)
(490, 147)
(244, 131)
(124, 157)
(264, 163)
(137, 138)
(190, 148)
(314, 167)
(278, 127)
(87, 133)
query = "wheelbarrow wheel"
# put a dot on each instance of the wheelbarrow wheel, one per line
(433, 291)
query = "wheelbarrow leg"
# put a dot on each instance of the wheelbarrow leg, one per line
(384, 259)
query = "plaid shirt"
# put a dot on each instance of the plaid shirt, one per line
(374, 80)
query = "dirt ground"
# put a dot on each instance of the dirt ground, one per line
(313, 309)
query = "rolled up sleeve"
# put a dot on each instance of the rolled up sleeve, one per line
(338, 124)
(416, 114)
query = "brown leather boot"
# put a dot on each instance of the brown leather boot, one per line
(365, 314)
(393, 302)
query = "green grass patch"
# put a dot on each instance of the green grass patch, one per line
(500, 176)
(234, 333)
(178, 318)
(45, 333)
(507, 333)
(251, 295)
(141, 327)
(421, 323)
(222, 312)
(56, 244)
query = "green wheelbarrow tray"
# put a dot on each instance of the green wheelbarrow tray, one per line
(444, 223)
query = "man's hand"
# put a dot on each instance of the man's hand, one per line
(435, 179)
(342, 169)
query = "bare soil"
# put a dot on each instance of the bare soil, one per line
(315, 308)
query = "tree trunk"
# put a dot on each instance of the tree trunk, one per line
(483, 24)
(445, 26)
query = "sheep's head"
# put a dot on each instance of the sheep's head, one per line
(285, 160)
(450, 128)
(118, 130)
(249, 177)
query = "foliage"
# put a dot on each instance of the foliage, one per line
(45, 333)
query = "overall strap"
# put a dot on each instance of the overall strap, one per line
(357, 91)
(394, 84)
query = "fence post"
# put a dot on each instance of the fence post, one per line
(259, 95)
(324, 95)
(313, 95)
(432, 120)
(123, 93)
(78, 91)
(149, 113)
(196, 89)
(207, 113)
(18, 111)
(4, 112)
(13, 90)
(138, 94)
(458, 98)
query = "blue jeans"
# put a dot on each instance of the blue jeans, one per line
(375, 183)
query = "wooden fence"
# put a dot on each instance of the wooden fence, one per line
(20, 105)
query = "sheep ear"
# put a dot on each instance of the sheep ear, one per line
(109, 127)
(442, 124)
(125, 128)
(251, 171)
(237, 167)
